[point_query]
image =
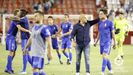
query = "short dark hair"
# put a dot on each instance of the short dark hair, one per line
(41, 13)
(16, 11)
(66, 14)
(104, 10)
(50, 17)
(23, 12)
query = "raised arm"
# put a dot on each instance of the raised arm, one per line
(93, 21)
(23, 29)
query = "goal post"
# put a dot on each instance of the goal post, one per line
(58, 19)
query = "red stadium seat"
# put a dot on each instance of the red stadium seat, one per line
(68, 6)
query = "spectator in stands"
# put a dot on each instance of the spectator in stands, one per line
(111, 15)
(61, 1)
(117, 12)
(131, 5)
(38, 6)
(52, 2)
(47, 6)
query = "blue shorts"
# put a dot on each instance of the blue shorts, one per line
(55, 43)
(11, 44)
(37, 62)
(106, 48)
(66, 43)
(23, 44)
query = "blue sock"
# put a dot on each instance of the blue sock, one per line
(70, 56)
(9, 63)
(35, 73)
(59, 56)
(42, 73)
(65, 54)
(104, 63)
(24, 62)
(109, 65)
(29, 59)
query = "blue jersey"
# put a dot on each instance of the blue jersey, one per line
(13, 28)
(105, 31)
(11, 44)
(44, 32)
(25, 24)
(53, 29)
(66, 27)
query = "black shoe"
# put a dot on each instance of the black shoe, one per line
(122, 56)
(47, 64)
(61, 62)
(12, 71)
(9, 72)
(68, 62)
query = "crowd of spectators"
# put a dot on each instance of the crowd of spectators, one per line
(45, 5)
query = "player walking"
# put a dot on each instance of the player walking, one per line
(66, 28)
(53, 30)
(40, 36)
(106, 33)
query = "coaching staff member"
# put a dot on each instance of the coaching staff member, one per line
(81, 31)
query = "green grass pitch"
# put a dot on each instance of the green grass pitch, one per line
(56, 69)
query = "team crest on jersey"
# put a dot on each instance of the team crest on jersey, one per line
(105, 24)
(66, 26)
(47, 31)
(54, 27)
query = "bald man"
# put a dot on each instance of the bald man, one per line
(81, 31)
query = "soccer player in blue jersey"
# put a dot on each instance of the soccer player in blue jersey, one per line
(53, 30)
(40, 36)
(66, 28)
(106, 33)
(11, 44)
(24, 38)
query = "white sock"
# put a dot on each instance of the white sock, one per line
(111, 71)
(87, 73)
(102, 73)
(78, 73)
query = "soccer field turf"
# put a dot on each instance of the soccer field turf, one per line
(56, 69)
